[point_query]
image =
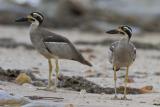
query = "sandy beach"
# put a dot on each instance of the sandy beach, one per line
(144, 72)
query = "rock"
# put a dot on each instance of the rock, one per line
(23, 78)
(8, 99)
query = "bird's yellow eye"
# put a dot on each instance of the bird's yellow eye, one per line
(119, 29)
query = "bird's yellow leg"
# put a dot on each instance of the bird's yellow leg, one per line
(57, 73)
(125, 84)
(49, 87)
(57, 69)
(115, 83)
(50, 73)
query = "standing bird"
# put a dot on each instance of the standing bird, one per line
(122, 53)
(51, 45)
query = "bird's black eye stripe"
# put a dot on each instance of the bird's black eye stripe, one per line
(127, 30)
(124, 29)
(38, 18)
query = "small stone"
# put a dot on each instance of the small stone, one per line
(90, 73)
(130, 80)
(23, 78)
(91, 56)
(69, 105)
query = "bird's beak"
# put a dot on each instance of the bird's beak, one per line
(24, 19)
(113, 31)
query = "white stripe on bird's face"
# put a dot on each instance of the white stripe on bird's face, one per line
(127, 28)
(38, 15)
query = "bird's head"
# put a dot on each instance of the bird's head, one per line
(34, 17)
(124, 30)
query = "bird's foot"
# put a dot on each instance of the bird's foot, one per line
(115, 98)
(82, 93)
(125, 98)
(53, 89)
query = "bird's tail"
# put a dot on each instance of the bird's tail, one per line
(86, 62)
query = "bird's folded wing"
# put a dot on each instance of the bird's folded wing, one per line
(56, 43)
(113, 46)
(134, 53)
(60, 49)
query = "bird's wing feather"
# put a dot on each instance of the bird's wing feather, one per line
(113, 45)
(111, 50)
(134, 50)
(56, 43)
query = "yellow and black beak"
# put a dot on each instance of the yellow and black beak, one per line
(113, 31)
(24, 19)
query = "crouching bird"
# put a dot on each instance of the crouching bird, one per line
(51, 45)
(122, 53)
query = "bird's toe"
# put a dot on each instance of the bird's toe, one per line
(53, 89)
(125, 98)
(115, 98)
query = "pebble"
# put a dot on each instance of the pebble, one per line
(23, 78)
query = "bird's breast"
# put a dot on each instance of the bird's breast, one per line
(38, 44)
(122, 56)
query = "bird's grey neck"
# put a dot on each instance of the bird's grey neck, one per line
(33, 26)
(125, 39)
